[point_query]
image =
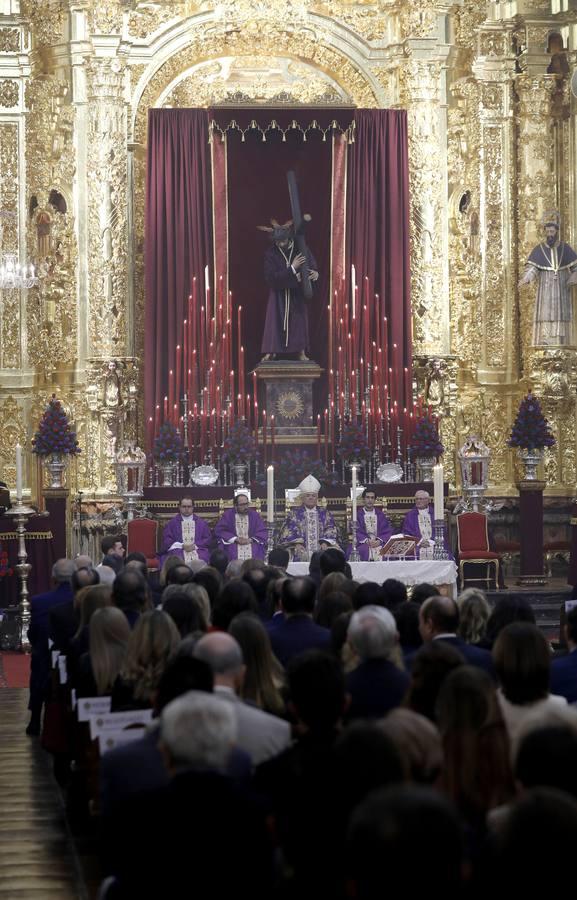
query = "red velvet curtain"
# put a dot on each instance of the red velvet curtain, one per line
(178, 235)
(378, 226)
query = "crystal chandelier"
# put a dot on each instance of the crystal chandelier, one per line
(13, 275)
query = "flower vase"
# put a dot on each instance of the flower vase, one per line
(55, 466)
(239, 470)
(425, 466)
(530, 457)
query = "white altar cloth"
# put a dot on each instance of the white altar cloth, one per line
(414, 571)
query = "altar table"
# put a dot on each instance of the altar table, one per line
(438, 572)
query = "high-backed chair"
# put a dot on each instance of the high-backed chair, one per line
(473, 543)
(143, 537)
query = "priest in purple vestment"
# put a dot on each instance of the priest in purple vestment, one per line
(241, 532)
(308, 528)
(373, 529)
(420, 521)
(186, 535)
(286, 327)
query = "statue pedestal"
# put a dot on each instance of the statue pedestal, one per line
(288, 395)
(531, 528)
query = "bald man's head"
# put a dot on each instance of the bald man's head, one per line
(438, 615)
(222, 653)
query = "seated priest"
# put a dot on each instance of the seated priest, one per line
(419, 522)
(241, 532)
(186, 535)
(373, 528)
(308, 528)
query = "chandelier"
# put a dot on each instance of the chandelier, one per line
(13, 275)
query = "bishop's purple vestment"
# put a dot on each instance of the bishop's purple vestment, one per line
(227, 531)
(382, 530)
(305, 529)
(411, 526)
(286, 327)
(173, 535)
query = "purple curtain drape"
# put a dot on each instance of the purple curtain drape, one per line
(178, 235)
(378, 224)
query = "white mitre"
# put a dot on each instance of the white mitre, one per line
(309, 485)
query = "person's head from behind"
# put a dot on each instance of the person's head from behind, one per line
(467, 701)
(183, 673)
(84, 578)
(365, 759)
(372, 633)
(505, 611)
(546, 757)
(130, 591)
(421, 592)
(331, 606)
(393, 593)
(431, 665)
(108, 640)
(197, 731)
(336, 581)
(211, 581)
(316, 690)
(279, 557)
(223, 654)
(170, 561)
(259, 661)
(258, 580)
(384, 831)
(236, 597)
(332, 560)
(180, 574)
(200, 597)
(63, 570)
(298, 596)
(218, 559)
(522, 662)
(185, 613)
(137, 560)
(418, 741)
(474, 612)
(368, 593)
(152, 643)
(438, 615)
(407, 619)
(88, 600)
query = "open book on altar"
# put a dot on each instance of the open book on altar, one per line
(400, 546)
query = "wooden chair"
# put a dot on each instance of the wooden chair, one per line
(142, 538)
(473, 543)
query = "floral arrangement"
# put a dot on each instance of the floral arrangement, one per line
(5, 568)
(425, 440)
(353, 444)
(168, 447)
(294, 465)
(530, 429)
(238, 446)
(55, 433)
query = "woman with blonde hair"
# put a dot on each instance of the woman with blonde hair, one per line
(99, 669)
(264, 677)
(87, 601)
(152, 642)
(474, 612)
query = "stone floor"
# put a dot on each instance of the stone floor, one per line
(37, 854)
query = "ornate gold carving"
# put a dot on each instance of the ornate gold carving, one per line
(9, 300)
(9, 92)
(9, 40)
(46, 19)
(105, 16)
(436, 379)
(12, 432)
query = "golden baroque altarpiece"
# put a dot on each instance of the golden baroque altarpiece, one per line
(492, 146)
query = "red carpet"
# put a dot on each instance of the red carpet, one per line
(14, 670)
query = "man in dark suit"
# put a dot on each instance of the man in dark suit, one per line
(113, 551)
(63, 619)
(564, 668)
(439, 621)
(297, 632)
(377, 685)
(40, 608)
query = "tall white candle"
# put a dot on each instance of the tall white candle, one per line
(18, 472)
(354, 493)
(270, 494)
(438, 492)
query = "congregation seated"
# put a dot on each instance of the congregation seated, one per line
(152, 642)
(297, 631)
(64, 619)
(131, 594)
(88, 599)
(264, 676)
(439, 621)
(379, 682)
(99, 668)
(184, 611)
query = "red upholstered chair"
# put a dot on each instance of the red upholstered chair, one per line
(473, 541)
(142, 537)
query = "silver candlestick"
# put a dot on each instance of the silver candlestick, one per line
(439, 551)
(270, 539)
(21, 513)
(355, 555)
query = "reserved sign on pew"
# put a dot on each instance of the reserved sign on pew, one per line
(92, 706)
(100, 724)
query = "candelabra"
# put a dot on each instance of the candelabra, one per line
(439, 551)
(269, 539)
(21, 513)
(354, 556)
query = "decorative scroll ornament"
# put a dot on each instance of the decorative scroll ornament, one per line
(295, 126)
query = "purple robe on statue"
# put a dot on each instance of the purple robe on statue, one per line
(411, 526)
(306, 532)
(286, 327)
(226, 535)
(173, 535)
(384, 531)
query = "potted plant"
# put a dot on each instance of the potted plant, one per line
(530, 435)
(55, 440)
